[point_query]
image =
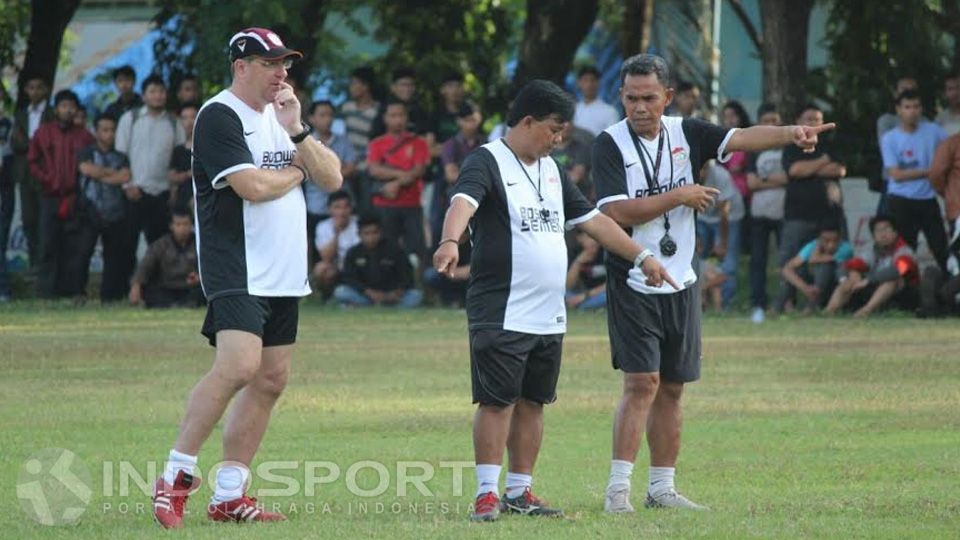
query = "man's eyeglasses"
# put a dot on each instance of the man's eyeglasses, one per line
(285, 63)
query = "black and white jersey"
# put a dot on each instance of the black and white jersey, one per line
(519, 263)
(618, 174)
(243, 247)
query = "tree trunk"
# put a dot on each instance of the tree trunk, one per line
(312, 16)
(636, 27)
(785, 28)
(551, 34)
(48, 21)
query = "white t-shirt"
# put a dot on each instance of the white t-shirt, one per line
(595, 116)
(349, 237)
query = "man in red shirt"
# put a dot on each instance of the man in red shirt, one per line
(53, 162)
(397, 161)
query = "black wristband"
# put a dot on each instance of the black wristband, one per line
(304, 171)
(454, 240)
(307, 130)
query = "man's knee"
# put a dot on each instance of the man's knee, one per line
(640, 386)
(271, 382)
(671, 391)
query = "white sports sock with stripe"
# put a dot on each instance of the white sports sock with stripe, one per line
(517, 483)
(177, 462)
(231, 482)
(488, 478)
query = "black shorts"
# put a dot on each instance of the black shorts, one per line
(506, 366)
(655, 332)
(274, 319)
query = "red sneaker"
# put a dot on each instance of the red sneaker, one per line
(169, 500)
(242, 510)
(486, 507)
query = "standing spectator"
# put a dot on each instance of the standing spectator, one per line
(53, 155)
(148, 135)
(718, 227)
(807, 202)
(766, 180)
(333, 238)
(167, 275)
(949, 117)
(686, 100)
(890, 120)
(889, 272)
(7, 189)
(398, 161)
(376, 271)
(403, 88)
(945, 178)
(80, 119)
(592, 113)
(124, 78)
(573, 156)
(444, 124)
(26, 121)
(736, 117)
(188, 91)
(358, 115)
(452, 154)
(181, 161)
(321, 119)
(103, 211)
(907, 156)
(816, 268)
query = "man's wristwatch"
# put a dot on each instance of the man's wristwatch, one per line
(638, 262)
(307, 130)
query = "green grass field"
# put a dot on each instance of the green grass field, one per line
(800, 428)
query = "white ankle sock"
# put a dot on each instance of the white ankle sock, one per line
(620, 472)
(177, 462)
(488, 478)
(516, 484)
(231, 482)
(661, 480)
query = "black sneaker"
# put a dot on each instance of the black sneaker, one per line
(527, 504)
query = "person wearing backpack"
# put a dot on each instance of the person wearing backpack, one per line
(148, 135)
(102, 208)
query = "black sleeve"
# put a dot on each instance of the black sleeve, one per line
(704, 139)
(350, 276)
(476, 176)
(218, 141)
(609, 176)
(575, 205)
(791, 155)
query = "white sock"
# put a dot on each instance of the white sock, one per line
(231, 482)
(661, 480)
(177, 462)
(517, 483)
(620, 472)
(488, 478)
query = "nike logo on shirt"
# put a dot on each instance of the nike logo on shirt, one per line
(246, 134)
(632, 164)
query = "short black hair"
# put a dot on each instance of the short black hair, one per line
(368, 219)
(104, 116)
(646, 64)
(394, 101)
(452, 76)
(185, 78)
(828, 224)
(766, 108)
(152, 80)
(466, 109)
(907, 95)
(740, 111)
(810, 106)
(541, 99)
(124, 71)
(364, 74)
(685, 86)
(588, 70)
(181, 212)
(883, 218)
(339, 195)
(66, 95)
(403, 73)
(321, 103)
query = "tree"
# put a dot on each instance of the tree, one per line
(552, 33)
(48, 22)
(637, 19)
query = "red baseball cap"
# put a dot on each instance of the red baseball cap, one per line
(259, 42)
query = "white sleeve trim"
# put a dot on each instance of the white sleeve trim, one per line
(473, 202)
(723, 147)
(220, 181)
(571, 223)
(610, 199)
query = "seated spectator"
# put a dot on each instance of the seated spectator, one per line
(376, 272)
(102, 207)
(451, 291)
(181, 162)
(167, 275)
(939, 293)
(888, 273)
(333, 238)
(814, 271)
(573, 156)
(718, 228)
(712, 282)
(592, 113)
(587, 276)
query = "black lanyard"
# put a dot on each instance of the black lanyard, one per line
(653, 182)
(536, 187)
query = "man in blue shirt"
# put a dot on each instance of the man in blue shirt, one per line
(907, 155)
(815, 269)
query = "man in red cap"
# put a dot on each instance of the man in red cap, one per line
(251, 155)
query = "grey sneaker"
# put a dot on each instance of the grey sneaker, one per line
(617, 501)
(672, 499)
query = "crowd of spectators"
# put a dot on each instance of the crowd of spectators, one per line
(126, 172)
